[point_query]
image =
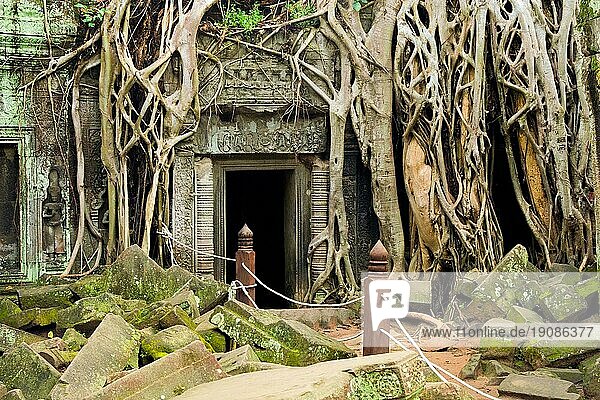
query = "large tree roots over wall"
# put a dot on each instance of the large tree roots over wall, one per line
(446, 75)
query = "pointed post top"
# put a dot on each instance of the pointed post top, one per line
(245, 238)
(378, 258)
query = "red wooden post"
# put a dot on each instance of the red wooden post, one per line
(375, 342)
(245, 255)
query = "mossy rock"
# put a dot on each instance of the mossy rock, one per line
(538, 356)
(591, 376)
(160, 315)
(47, 296)
(170, 340)
(86, 314)
(8, 308)
(74, 340)
(444, 391)
(215, 338)
(89, 286)
(134, 275)
(33, 317)
(274, 339)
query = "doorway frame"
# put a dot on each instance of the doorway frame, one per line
(28, 266)
(297, 283)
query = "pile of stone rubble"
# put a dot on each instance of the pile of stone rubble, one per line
(138, 331)
(517, 293)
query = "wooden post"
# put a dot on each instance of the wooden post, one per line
(245, 255)
(375, 342)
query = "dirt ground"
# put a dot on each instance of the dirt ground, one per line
(452, 360)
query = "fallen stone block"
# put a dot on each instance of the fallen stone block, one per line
(134, 275)
(89, 286)
(108, 350)
(538, 387)
(167, 377)
(186, 299)
(539, 356)
(209, 292)
(160, 315)
(516, 260)
(563, 304)
(397, 375)
(591, 376)
(168, 340)
(33, 317)
(522, 315)
(22, 368)
(214, 337)
(588, 287)
(55, 351)
(86, 314)
(15, 394)
(11, 337)
(74, 340)
(3, 389)
(444, 391)
(274, 339)
(236, 361)
(45, 296)
(495, 371)
(472, 368)
(318, 318)
(8, 308)
(568, 374)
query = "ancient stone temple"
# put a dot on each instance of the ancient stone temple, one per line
(257, 157)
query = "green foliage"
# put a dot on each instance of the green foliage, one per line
(237, 18)
(91, 12)
(358, 4)
(301, 8)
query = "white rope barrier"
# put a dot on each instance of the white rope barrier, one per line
(167, 234)
(235, 285)
(434, 367)
(300, 303)
(359, 334)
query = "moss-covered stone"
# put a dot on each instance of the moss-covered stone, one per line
(472, 368)
(516, 260)
(215, 338)
(33, 317)
(169, 340)
(23, 369)
(591, 376)
(538, 356)
(11, 338)
(89, 286)
(73, 339)
(563, 304)
(274, 339)
(160, 315)
(8, 308)
(46, 296)
(444, 391)
(86, 314)
(134, 275)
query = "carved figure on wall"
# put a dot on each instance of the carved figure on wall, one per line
(53, 238)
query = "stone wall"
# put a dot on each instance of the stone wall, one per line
(36, 121)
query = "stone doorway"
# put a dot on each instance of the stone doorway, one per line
(279, 209)
(10, 230)
(264, 200)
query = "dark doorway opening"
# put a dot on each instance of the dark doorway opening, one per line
(265, 201)
(9, 209)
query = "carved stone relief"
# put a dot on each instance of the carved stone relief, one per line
(53, 215)
(261, 134)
